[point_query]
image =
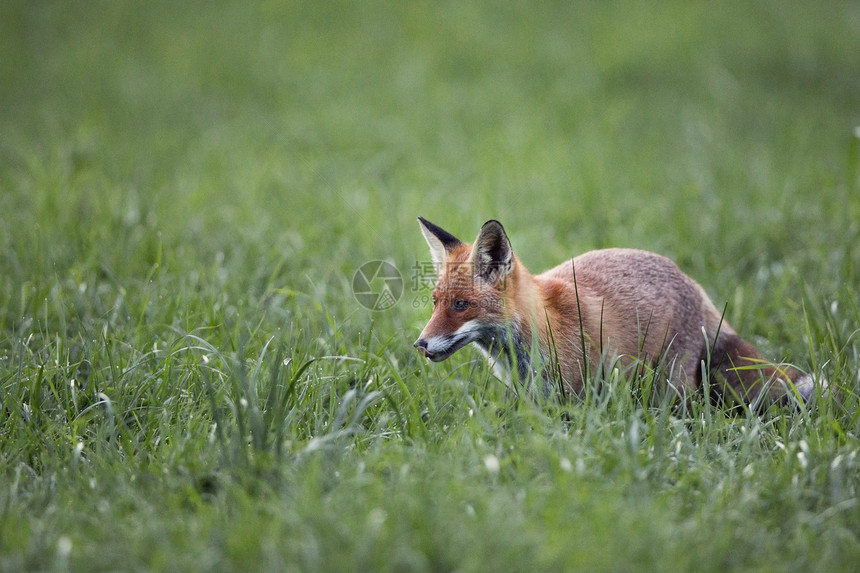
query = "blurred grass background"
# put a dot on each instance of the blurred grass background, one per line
(181, 183)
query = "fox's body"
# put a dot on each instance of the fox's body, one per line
(627, 304)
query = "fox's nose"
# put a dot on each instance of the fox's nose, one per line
(421, 345)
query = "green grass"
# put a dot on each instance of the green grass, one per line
(186, 189)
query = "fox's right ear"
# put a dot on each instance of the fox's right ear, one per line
(492, 256)
(440, 241)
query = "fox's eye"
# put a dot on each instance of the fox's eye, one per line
(460, 305)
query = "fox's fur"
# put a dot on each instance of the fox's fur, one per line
(627, 304)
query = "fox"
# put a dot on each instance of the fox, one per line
(628, 306)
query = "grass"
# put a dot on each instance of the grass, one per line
(188, 383)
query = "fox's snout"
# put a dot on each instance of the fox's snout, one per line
(435, 355)
(421, 345)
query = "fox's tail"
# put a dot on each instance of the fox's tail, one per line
(741, 372)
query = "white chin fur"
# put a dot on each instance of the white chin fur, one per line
(443, 344)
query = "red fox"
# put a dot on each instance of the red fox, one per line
(630, 305)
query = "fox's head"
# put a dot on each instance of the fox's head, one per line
(474, 283)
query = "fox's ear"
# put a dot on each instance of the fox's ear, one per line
(492, 256)
(440, 241)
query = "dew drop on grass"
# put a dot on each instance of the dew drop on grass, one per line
(491, 462)
(376, 518)
(565, 465)
(64, 547)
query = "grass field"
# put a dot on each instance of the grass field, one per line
(187, 189)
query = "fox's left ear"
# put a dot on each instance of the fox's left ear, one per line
(439, 240)
(492, 255)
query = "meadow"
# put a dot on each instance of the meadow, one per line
(188, 382)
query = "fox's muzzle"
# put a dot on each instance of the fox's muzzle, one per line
(438, 355)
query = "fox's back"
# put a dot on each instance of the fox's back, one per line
(632, 302)
(630, 275)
